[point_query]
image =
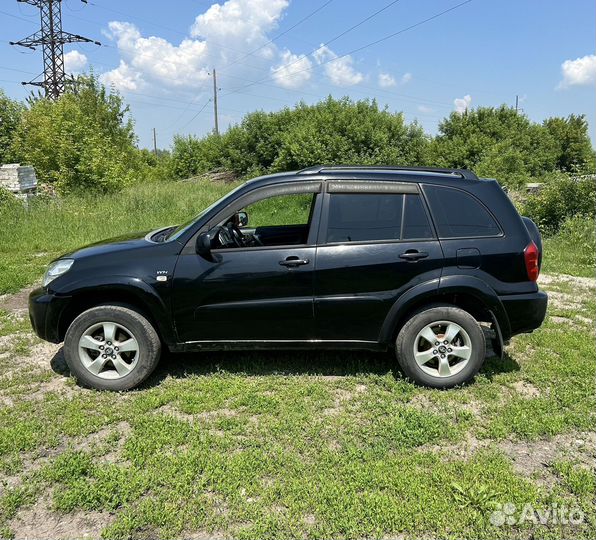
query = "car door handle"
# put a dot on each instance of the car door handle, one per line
(413, 255)
(293, 261)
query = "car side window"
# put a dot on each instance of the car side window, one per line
(278, 220)
(458, 214)
(358, 217)
(292, 209)
(416, 225)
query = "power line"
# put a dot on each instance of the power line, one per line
(358, 49)
(305, 18)
(197, 114)
(14, 16)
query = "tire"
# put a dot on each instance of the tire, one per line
(111, 348)
(416, 355)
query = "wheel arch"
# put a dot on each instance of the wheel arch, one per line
(126, 292)
(466, 292)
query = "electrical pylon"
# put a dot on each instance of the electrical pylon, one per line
(52, 38)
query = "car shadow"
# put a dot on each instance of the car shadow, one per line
(284, 363)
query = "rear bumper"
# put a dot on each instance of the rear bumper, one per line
(45, 310)
(526, 312)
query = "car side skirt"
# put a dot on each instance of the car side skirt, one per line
(277, 345)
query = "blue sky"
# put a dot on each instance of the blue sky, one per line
(160, 55)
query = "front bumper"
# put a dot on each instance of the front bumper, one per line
(45, 310)
(526, 312)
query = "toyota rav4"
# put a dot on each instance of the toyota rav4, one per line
(428, 262)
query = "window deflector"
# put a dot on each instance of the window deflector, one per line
(257, 195)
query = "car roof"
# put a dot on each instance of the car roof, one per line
(452, 177)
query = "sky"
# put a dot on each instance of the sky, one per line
(426, 58)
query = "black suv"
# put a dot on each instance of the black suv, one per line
(332, 257)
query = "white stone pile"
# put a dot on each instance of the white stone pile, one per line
(19, 179)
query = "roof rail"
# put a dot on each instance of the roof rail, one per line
(461, 173)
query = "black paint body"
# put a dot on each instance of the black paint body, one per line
(351, 294)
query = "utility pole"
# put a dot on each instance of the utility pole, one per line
(516, 103)
(154, 142)
(52, 38)
(215, 102)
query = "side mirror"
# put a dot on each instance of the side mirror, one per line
(242, 218)
(203, 245)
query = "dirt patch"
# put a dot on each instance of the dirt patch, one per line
(339, 398)
(186, 417)
(16, 303)
(39, 358)
(553, 279)
(526, 389)
(38, 521)
(204, 535)
(533, 458)
(564, 301)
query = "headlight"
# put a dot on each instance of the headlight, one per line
(57, 268)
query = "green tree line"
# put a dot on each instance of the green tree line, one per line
(86, 140)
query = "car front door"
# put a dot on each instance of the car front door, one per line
(262, 291)
(376, 242)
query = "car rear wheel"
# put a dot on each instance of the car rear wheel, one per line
(111, 348)
(441, 347)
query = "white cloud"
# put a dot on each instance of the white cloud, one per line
(340, 71)
(386, 80)
(424, 109)
(123, 78)
(154, 59)
(293, 71)
(218, 37)
(462, 104)
(74, 62)
(244, 22)
(581, 71)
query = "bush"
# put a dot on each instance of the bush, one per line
(573, 249)
(561, 197)
(80, 141)
(329, 132)
(6, 197)
(10, 116)
(501, 143)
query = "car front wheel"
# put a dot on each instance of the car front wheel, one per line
(441, 347)
(111, 348)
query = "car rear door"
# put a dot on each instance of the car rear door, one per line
(376, 242)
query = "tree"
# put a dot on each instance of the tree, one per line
(496, 142)
(574, 149)
(329, 132)
(84, 140)
(10, 116)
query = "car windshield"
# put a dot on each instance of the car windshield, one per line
(180, 229)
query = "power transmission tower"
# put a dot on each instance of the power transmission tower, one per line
(52, 38)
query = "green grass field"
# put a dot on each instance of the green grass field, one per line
(292, 444)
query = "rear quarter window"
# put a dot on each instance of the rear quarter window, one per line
(458, 214)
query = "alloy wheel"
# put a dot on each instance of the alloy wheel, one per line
(109, 350)
(442, 349)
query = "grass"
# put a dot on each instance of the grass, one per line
(289, 444)
(318, 445)
(30, 238)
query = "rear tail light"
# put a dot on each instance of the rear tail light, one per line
(532, 258)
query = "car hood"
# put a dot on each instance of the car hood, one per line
(127, 242)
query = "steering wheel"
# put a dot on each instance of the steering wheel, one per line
(224, 238)
(236, 234)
